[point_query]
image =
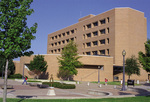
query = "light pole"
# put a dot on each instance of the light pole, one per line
(123, 84)
(98, 74)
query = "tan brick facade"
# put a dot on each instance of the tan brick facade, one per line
(105, 34)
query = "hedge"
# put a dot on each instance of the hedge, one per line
(60, 85)
(15, 76)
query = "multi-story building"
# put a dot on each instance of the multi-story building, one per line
(101, 40)
(108, 33)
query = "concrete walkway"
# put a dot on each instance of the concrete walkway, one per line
(82, 91)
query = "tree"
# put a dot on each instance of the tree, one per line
(144, 58)
(38, 65)
(132, 66)
(68, 61)
(15, 35)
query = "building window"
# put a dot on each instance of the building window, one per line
(63, 41)
(95, 24)
(56, 44)
(84, 27)
(95, 43)
(107, 30)
(83, 36)
(62, 49)
(55, 37)
(67, 40)
(63, 34)
(83, 53)
(59, 42)
(88, 44)
(51, 51)
(102, 52)
(55, 50)
(72, 31)
(58, 50)
(102, 31)
(72, 39)
(108, 19)
(88, 26)
(59, 35)
(83, 45)
(107, 40)
(52, 44)
(52, 38)
(102, 21)
(68, 33)
(102, 41)
(94, 52)
(108, 51)
(95, 33)
(88, 35)
(88, 53)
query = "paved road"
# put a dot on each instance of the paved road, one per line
(82, 91)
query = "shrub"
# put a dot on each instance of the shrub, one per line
(15, 76)
(60, 85)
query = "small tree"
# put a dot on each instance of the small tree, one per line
(15, 35)
(132, 66)
(38, 65)
(68, 61)
(144, 58)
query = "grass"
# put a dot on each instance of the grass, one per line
(113, 83)
(129, 99)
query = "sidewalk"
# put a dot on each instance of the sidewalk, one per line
(82, 91)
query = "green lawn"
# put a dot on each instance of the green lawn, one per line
(130, 99)
(113, 83)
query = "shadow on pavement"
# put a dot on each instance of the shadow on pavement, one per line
(24, 97)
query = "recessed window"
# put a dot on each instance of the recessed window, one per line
(83, 36)
(63, 34)
(108, 51)
(102, 41)
(55, 37)
(67, 40)
(63, 41)
(107, 40)
(94, 52)
(72, 31)
(72, 39)
(107, 30)
(52, 44)
(68, 33)
(59, 35)
(102, 52)
(95, 33)
(58, 50)
(88, 26)
(88, 53)
(95, 24)
(95, 43)
(55, 50)
(88, 44)
(59, 42)
(102, 21)
(56, 44)
(88, 35)
(51, 51)
(102, 31)
(108, 19)
(52, 38)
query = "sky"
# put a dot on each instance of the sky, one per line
(53, 15)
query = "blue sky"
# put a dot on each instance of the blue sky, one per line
(53, 15)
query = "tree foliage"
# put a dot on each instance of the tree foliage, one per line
(15, 35)
(144, 58)
(68, 61)
(132, 66)
(38, 64)
(11, 66)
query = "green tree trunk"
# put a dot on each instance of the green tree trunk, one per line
(5, 83)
